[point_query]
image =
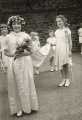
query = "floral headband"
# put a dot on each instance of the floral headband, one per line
(15, 19)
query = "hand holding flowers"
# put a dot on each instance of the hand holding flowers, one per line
(23, 50)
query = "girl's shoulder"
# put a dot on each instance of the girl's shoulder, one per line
(1, 36)
(68, 29)
(25, 35)
(48, 39)
(80, 29)
(57, 31)
(10, 35)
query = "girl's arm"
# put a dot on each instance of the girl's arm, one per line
(48, 41)
(68, 37)
(38, 43)
(70, 41)
(0, 51)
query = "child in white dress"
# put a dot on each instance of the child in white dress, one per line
(52, 42)
(4, 32)
(80, 36)
(35, 46)
(63, 49)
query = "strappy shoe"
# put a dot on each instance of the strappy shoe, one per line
(19, 114)
(67, 83)
(62, 83)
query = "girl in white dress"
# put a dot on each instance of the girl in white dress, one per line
(35, 46)
(41, 53)
(63, 49)
(4, 60)
(21, 88)
(52, 42)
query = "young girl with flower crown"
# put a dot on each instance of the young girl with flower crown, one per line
(21, 87)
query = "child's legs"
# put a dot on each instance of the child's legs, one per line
(67, 71)
(37, 70)
(63, 78)
(51, 61)
(63, 73)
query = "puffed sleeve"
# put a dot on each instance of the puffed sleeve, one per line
(28, 40)
(27, 36)
(69, 39)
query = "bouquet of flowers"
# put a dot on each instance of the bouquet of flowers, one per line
(24, 46)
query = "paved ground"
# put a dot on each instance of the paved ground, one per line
(55, 103)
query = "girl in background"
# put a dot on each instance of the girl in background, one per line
(52, 42)
(80, 36)
(35, 47)
(40, 54)
(63, 49)
(4, 60)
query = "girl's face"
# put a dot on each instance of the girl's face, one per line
(16, 27)
(4, 31)
(60, 22)
(35, 38)
(51, 34)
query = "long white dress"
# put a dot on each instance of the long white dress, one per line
(2, 45)
(21, 88)
(62, 48)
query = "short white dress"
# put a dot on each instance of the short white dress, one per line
(41, 53)
(52, 42)
(62, 48)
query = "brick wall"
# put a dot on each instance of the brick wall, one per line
(40, 22)
(43, 21)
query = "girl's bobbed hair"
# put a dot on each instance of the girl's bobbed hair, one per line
(64, 19)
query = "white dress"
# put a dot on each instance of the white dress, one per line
(40, 53)
(52, 42)
(21, 88)
(2, 44)
(62, 48)
(80, 35)
(35, 45)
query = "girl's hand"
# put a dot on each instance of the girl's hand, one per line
(21, 55)
(18, 56)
